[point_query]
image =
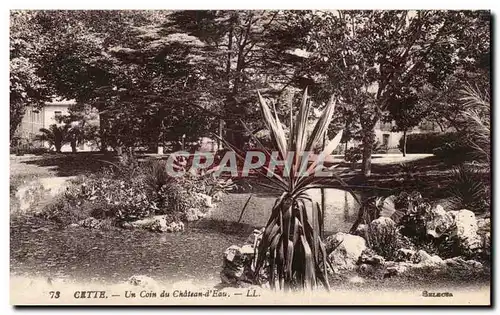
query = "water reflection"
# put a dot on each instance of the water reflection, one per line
(341, 209)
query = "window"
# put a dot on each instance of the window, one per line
(57, 114)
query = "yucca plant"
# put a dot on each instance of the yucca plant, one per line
(291, 245)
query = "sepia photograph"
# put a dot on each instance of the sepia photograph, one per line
(250, 157)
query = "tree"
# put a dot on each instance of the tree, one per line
(26, 86)
(407, 111)
(246, 51)
(55, 135)
(371, 57)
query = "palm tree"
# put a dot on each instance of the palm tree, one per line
(291, 244)
(55, 135)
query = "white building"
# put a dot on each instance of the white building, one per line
(36, 118)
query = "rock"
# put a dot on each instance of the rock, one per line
(394, 269)
(217, 197)
(484, 225)
(367, 270)
(236, 263)
(356, 279)
(72, 225)
(404, 254)
(143, 282)
(158, 223)
(438, 222)
(466, 223)
(345, 250)
(194, 214)
(461, 224)
(90, 222)
(175, 227)
(371, 258)
(255, 238)
(361, 230)
(127, 226)
(460, 263)
(205, 200)
(423, 258)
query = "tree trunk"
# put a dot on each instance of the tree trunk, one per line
(367, 159)
(73, 146)
(102, 132)
(404, 143)
(368, 141)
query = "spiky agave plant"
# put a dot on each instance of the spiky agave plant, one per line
(291, 244)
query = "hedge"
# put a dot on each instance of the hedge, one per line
(430, 142)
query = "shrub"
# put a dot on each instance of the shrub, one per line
(102, 198)
(428, 142)
(130, 191)
(353, 155)
(469, 189)
(382, 237)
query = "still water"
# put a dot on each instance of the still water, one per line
(341, 209)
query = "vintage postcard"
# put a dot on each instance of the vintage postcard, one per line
(259, 157)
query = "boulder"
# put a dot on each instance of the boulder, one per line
(361, 230)
(395, 268)
(368, 256)
(236, 267)
(255, 238)
(91, 223)
(344, 250)
(484, 225)
(466, 229)
(143, 282)
(461, 225)
(158, 223)
(464, 265)
(438, 221)
(194, 214)
(174, 227)
(205, 200)
(425, 259)
(404, 254)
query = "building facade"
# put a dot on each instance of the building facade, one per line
(36, 118)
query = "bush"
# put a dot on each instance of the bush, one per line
(130, 191)
(353, 155)
(469, 189)
(382, 236)
(428, 142)
(102, 198)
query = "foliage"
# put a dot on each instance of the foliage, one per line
(429, 142)
(384, 240)
(477, 115)
(379, 59)
(469, 189)
(353, 154)
(27, 87)
(291, 242)
(55, 135)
